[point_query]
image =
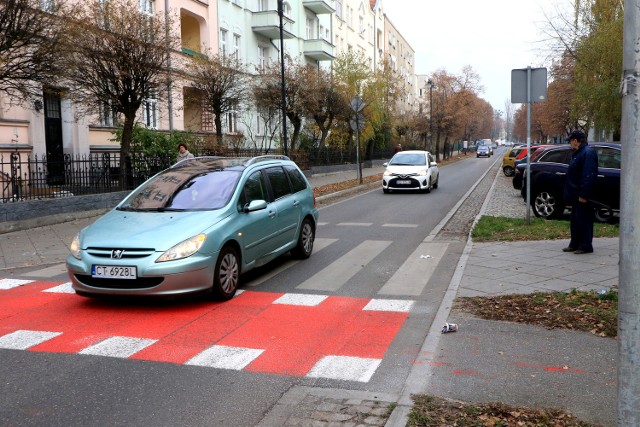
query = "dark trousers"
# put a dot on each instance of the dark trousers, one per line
(582, 217)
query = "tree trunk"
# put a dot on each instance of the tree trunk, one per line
(125, 148)
(218, 123)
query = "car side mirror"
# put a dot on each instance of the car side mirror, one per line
(434, 164)
(385, 164)
(255, 205)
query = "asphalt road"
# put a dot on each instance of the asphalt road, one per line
(353, 316)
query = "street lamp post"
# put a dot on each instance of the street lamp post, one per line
(283, 87)
(430, 84)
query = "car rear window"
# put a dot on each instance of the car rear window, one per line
(297, 180)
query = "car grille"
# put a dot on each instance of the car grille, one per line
(140, 283)
(127, 253)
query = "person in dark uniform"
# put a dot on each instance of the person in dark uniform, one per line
(581, 179)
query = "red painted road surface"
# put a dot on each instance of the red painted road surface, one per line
(291, 337)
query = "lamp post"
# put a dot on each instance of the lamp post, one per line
(431, 85)
(284, 98)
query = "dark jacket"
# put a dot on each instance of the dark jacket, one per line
(581, 175)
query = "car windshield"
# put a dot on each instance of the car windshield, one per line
(184, 188)
(409, 159)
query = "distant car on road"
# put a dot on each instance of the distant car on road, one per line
(548, 175)
(196, 227)
(483, 151)
(411, 170)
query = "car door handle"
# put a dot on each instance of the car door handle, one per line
(561, 173)
(296, 203)
(272, 214)
(600, 176)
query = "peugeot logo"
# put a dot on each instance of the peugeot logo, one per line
(117, 253)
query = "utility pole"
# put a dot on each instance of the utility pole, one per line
(629, 286)
(282, 82)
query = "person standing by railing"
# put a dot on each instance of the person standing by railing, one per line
(183, 153)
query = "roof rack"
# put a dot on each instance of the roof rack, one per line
(266, 158)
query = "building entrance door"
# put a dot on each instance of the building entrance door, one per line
(53, 138)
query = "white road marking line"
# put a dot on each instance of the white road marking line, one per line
(396, 305)
(322, 223)
(223, 357)
(336, 274)
(345, 368)
(414, 274)
(318, 245)
(23, 339)
(401, 225)
(121, 347)
(65, 288)
(355, 224)
(6, 284)
(306, 300)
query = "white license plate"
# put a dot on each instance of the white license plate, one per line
(113, 272)
(403, 181)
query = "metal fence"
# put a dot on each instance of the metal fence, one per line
(32, 177)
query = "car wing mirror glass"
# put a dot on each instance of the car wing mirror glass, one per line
(385, 164)
(255, 205)
(434, 164)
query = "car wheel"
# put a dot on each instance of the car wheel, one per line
(385, 191)
(305, 241)
(508, 171)
(604, 214)
(435, 184)
(547, 205)
(428, 189)
(226, 274)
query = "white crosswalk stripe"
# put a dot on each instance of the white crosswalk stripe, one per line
(65, 288)
(23, 340)
(121, 347)
(335, 275)
(345, 368)
(7, 284)
(223, 357)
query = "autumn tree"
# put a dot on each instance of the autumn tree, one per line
(32, 47)
(220, 82)
(351, 71)
(119, 55)
(323, 102)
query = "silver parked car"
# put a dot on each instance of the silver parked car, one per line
(411, 170)
(196, 227)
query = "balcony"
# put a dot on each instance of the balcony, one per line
(318, 49)
(267, 24)
(319, 7)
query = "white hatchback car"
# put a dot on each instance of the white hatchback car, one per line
(411, 170)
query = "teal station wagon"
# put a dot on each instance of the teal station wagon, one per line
(197, 226)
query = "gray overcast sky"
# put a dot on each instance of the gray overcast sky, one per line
(493, 36)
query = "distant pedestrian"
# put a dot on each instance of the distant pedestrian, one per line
(398, 148)
(183, 152)
(581, 178)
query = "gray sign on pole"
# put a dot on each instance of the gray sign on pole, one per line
(357, 104)
(519, 85)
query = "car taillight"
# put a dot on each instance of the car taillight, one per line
(314, 201)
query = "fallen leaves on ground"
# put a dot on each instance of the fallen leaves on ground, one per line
(334, 188)
(431, 411)
(592, 312)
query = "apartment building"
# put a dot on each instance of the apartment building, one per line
(400, 57)
(358, 27)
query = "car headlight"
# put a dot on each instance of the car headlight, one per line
(422, 173)
(184, 249)
(387, 173)
(75, 247)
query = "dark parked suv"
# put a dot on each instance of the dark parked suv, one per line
(548, 175)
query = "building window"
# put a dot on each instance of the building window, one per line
(339, 8)
(146, 6)
(287, 9)
(262, 5)
(223, 41)
(47, 5)
(232, 119)
(310, 32)
(236, 46)
(108, 115)
(150, 112)
(263, 53)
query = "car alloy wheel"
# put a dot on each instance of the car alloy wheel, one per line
(226, 274)
(546, 205)
(305, 241)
